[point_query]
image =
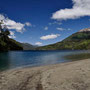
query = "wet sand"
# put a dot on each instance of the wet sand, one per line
(66, 76)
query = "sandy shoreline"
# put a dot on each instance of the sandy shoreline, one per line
(66, 76)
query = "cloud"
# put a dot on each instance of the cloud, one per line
(2, 17)
(46, 28)
(60, 29)
(12, 35)
(28, 24)
(69, 29)
(38, 43)
(11, 24)
(59, 23)
(80, 8)
(52, 36)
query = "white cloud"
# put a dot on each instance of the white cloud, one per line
(59, 23)
(38, 43)
(11, 24)
(52, 36)
(69, 29)
(12, 35)
(60, 29)
(28, 24)
(46, 28)
(2, 17)
(19, 27)
(80, 8)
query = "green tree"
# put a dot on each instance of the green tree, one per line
(4, 30)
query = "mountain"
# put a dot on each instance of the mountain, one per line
(77, 41)
(27, 46)
(7, 44)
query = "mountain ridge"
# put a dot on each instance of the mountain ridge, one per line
(27, 46)
(7, 44)
(77, 41)
(85, 30)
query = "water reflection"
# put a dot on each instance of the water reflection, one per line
(14, 59)
(4, 60)
(80, 56)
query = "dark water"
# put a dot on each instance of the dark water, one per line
(15, 59)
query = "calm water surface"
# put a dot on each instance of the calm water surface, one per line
(16, 59)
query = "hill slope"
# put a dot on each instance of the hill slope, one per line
(27, 46)
(77, 41)
(7, 44)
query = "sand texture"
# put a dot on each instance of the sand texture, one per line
(66, 76)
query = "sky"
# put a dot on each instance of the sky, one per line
(43, 22)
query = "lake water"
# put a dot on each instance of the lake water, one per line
(16, 59)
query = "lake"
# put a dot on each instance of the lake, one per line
(19, 59)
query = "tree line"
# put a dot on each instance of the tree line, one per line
(3, 29)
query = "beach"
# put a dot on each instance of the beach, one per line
(65, 76)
